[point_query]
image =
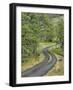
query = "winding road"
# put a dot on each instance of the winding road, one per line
(43, 67)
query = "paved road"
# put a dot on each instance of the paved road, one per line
(41, 68)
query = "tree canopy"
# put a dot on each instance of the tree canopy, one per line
(40, 27)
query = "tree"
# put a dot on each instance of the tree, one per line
(39, 27)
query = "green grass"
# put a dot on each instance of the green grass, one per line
(46, 44)
(58, 51)
(33, 60)
(58, 69)
(30, 62)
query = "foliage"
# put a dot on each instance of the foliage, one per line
(39, 27)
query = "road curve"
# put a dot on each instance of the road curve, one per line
(41, 68)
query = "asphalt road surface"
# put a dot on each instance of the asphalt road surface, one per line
(41, 68)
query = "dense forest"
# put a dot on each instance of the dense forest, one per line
(38, 27)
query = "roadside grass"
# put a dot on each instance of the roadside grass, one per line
(46, 44)
(43, 45)
(30, 62)
(33, 60)
(58, 51)
(58, 69)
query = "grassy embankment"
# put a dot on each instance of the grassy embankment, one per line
(30, 62)
(58, 69)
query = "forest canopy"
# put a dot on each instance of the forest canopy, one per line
(40, 27)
